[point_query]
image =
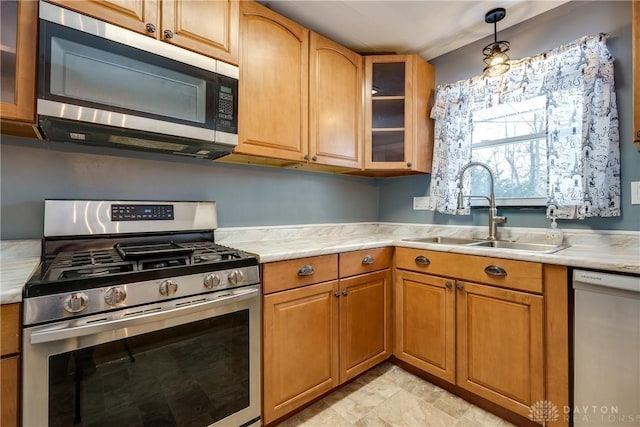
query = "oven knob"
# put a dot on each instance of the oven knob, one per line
(211, 280)
(168, 287)
(236, 277)
(76, 302)
(115, 296)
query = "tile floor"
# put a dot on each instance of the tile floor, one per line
(390, 396)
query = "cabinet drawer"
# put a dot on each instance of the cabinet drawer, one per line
(282, 275)
(365, 261)
(506, 273)
(423, 261)
(10, 328)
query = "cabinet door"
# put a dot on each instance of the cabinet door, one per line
(18, 53)
(335, 104)
(300, 347)
(131, 14)
(398, 130)
(208, 27)
(425, 323)
(500, 345)
(365, 327)
(9, 386)
(273, 87)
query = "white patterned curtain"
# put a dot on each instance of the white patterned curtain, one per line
(582, 127)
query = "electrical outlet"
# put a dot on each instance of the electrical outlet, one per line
(635, 193)
(421, 203)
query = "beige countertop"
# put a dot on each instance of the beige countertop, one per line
(611, 251)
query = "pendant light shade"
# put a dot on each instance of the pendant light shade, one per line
(495, 57)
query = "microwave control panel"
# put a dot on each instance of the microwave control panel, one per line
(227, 115)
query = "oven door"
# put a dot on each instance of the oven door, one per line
(196, 363)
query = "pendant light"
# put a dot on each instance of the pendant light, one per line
(495, 57)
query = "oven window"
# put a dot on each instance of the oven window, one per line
(194, 374)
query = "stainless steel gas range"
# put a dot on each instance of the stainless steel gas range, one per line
(137, 317)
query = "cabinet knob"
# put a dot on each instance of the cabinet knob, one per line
(306, 270)
(150, 28)
(314, 158)
(337, 294)
(638, 134)
(306, 157)
(494, 270)
(459, 287)
(368, 260)
(408, 164)
(168, 34)
(422, 260)
(448, 285)
(345, 292)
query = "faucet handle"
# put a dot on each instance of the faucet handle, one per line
(499, 219)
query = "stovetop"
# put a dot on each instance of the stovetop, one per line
(130, 262)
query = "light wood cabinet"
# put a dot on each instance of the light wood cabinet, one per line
(398, 130)
(9, 364)
(365, 310)
(501, 337)
(300, 347)
(206, 27)
(306, 111)
(18, 43)
(319, 331)
(500, 345)
(635, 20)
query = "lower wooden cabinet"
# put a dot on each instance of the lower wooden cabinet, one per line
(365, 329)
(300, 347)
(499, 345)
(425, 323)
(486, 338)
(319, 335)
(9, 365)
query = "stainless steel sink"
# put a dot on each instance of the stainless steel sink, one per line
(445, 240)
(521, 246)
(498, 244)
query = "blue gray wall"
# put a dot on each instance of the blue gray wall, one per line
(33, 170)
(544, 32)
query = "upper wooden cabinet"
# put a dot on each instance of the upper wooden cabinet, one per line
(636, 71)
(207, 27)
(18, 41)
(398, 131)
(273, 87)
(335, 104)
(300, 94)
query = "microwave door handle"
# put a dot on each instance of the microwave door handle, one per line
(91, 329)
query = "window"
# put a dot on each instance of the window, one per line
(512, 140)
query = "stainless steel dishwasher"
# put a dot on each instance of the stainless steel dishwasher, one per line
(606, 341)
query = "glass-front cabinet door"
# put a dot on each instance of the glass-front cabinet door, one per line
(398, 131)
(18, 35)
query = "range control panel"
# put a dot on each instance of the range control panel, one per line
(141, 212)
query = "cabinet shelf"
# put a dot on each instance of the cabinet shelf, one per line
(387, 130)
(387, 98)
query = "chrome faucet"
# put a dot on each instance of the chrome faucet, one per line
(494, 219)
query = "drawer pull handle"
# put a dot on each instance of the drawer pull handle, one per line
(422, 260)
(494, 270)
(368, 260)
(306, 270)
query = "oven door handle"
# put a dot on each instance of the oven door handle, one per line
(110, 325)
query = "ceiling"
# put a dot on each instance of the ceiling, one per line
(429, 28)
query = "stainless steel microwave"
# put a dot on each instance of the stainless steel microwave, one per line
(99, 84)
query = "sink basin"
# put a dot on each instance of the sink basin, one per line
(530, 247)
(445, 240)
